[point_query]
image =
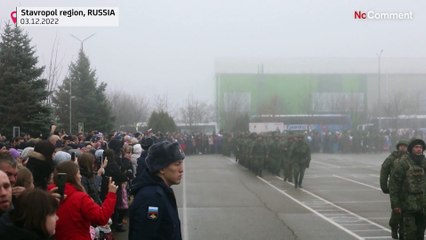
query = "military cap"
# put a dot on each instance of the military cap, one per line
(162, 154)
(415, 142)
(402, 142)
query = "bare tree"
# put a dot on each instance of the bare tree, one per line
(128, 109)
(54, 69)
(235, 115)
(161, 103)
(196, 111)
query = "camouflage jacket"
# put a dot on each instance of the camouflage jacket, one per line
(258, 149)
(300, 153)
(400, 195)
(387, 168)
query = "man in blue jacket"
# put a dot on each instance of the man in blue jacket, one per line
(154, 213)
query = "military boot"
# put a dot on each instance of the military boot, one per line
(395, 233)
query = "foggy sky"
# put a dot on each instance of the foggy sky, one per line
(168, 47)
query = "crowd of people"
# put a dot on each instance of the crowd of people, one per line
(82, 184)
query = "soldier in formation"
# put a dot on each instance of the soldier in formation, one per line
(275, 153)
(300, 156)
(385, 172)
(258, 154)
(407, 190)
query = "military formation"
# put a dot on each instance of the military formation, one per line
(402, 176)
(276, 153)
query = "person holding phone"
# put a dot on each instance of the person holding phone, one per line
(77, 212)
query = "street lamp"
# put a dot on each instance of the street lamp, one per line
(379, 98)
(70, 133)
(81, 48)
(82, 41)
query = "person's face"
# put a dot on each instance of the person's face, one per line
(417, 150)
(17, 143)
(10, 171)
(51, 223)
(402, 148)
(5, 193)
(172, 174)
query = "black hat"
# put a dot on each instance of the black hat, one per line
(161, 154)
(415, 142)
(116, 144)
(146, 143)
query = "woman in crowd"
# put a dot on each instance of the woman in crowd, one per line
(114, 170)
(77, 212)
(86, 162)
(27, 222)
(40, 163)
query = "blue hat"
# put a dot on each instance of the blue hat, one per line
(162, 154)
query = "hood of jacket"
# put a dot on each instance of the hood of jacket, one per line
(137, 149)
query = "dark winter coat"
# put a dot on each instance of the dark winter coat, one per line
(153, 213)
(88, 182)
(41, 171)
(112, 170)
(141, 163)
(11, 231)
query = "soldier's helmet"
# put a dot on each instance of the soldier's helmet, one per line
(401, 142)
(414, 142)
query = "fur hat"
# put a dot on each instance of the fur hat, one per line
(161, 154)
(61, 156)
(99, 153)
(415, 142)
(25, 154)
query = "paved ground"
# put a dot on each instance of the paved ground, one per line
(340, 200)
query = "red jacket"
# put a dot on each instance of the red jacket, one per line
(78, 211)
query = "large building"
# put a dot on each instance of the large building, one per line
(360, 88)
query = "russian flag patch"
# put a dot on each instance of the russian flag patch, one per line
(152, 213)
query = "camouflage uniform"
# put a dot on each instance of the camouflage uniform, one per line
(275, 156)
(258, 153)
(407, 192)
(237, 147)
(385, 172)
(287, 163)
(300, 155)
